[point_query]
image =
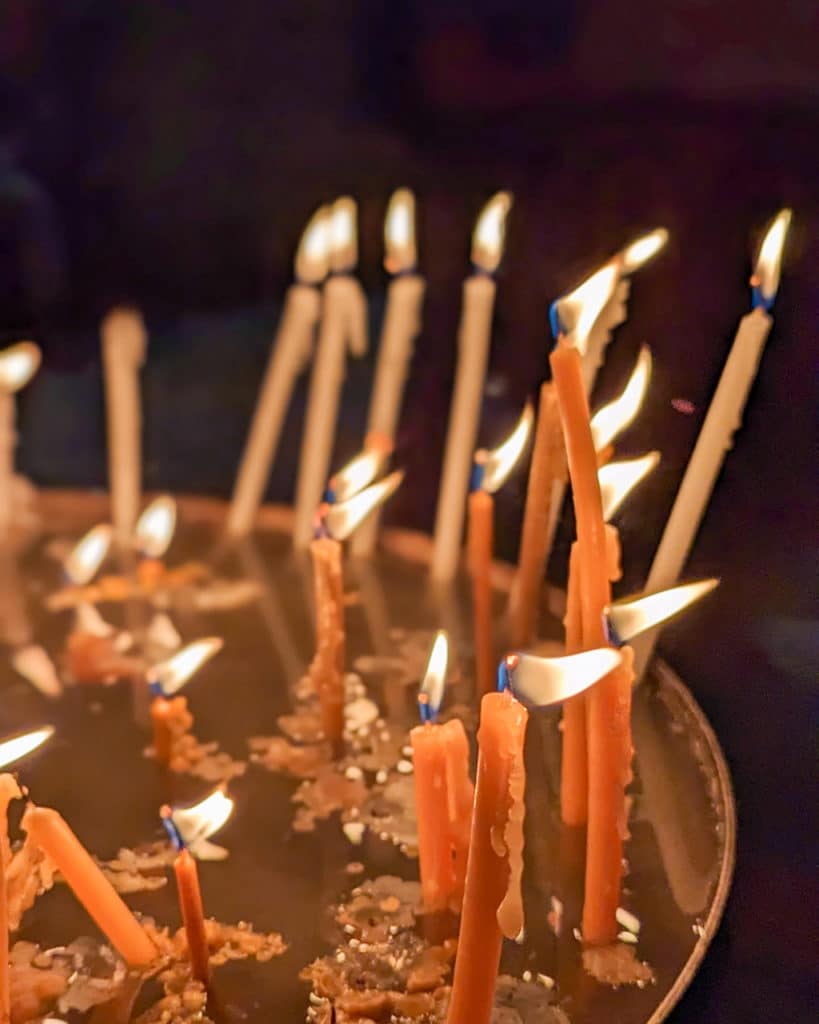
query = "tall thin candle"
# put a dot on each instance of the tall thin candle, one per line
(18, 364)
(474, 336)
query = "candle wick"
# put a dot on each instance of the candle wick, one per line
(166, 814)
(478, 471)
(612, 635)
(155, 687)
(555, 325)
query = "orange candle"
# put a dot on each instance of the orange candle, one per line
(574, 779)
(51, 834)
(193, 917)
(9, 790)
(480, 544)
(443, 807)
(547, 467)
(608, 702)
(161, 714)
(328, 588)
(500, 755)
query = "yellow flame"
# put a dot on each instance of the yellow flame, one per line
(357, 474)
(499, 463)
(641, 250)
(633, 616)
(18, 364)
(171, 675)
(312, 255)
(343, 235)
(200, 822)
(543, 682)
(583, 306)
(18, 746)
(618, 480)
(613, 418)
(769, 261)
(431, 693)
(155, 527)
(490, 232)
(88, 554)
(343, 517)
(399, 232)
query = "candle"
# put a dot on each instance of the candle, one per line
(11, 750)
(50, 832)
(547, 468)
(169, 717)
(343, 324)
(608, 702)
(474, 336)
(335, 522)
(188, 828)
(500, 763)
(721, 423)
(289, 355)
(490, 471)
(443, 791)
(124, 343)
(18, 364)
(402, 323)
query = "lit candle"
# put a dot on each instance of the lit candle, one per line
(343, 324)
(124, 344)
(443, 791)
(49, 831)
(333, 523)
(189, 828)
(167, 678)
(402, 323)
(290, 353)
(11, 750)
(721, 422)
(474, 336)
(18, 364)
(490, 471)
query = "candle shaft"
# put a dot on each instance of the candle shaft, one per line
(402, 323)
(480, 544)
(50, 832)
(500, 740)
(8, 440)
(716, 436)
(8, 790)
(123, 352)
(574, 777)
(473, 354)
(328, 588)
(343, 309)
(193, 917)
(547, 466)
(290, 351)
(161, 713)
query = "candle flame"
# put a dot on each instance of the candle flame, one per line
(18, 364)
(583, 306)
(312, 255)
(613, 418)
(171, 675)
(631, 616)
(431, 691)
(88, 554)
(155, 527)
(18, 746)
(490, 232)
(618, 480)
(344, 517)
(641, 250)
(198, 823)
(343, 235)
(399, 232)
(357, 474)
(499, 463)
(542, 682)
(769, 261)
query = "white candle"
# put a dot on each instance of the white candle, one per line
(291, 351)
(716, 436)
(18, 364)
(474, 335)
(343, 324)
(124, 344)
(402, 323)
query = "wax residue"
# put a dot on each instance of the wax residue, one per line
(616, 965)
(510, 912)
(614, 568)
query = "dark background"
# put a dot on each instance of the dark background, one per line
(169, 155)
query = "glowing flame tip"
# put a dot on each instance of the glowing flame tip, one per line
(499, 463)
(490, 232)
(769, 262)
(641, 250)
(357, 474)
(19, 746)
(312, 255)
(173, 674)
(543, 682)
(618, 480)
(399, 232)
(431, 693)
(345, 516)
(155, 527)
(88, 554)
(631, 616)
(343, 236)
(613, 418)
(583, 306)
(18, 364)
(198, 823)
